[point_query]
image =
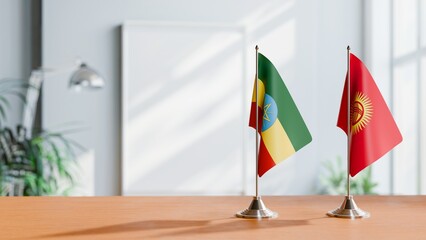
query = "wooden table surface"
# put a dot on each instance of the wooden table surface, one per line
(300, 217)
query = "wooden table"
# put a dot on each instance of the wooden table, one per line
(300, 217)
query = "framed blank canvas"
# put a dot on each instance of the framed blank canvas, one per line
(183, 109)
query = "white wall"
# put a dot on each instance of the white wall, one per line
(305, 39)
(378, 59)
(395, 56)
(15, 48)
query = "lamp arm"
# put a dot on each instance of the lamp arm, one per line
(31, 99)
(33, 93)
(48, 71)
(83, 76)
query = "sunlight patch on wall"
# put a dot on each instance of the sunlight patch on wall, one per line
(405, 113)
(266, 12)
(283, 36)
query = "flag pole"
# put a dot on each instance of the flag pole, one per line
(348, 186)
(257, 208)
(348, 209)
(257, 122)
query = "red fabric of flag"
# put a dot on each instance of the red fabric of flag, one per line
(373, 129)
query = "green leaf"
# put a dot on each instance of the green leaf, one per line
(20, 95)
(334, 180)
(30, 180)
(5, 101)
(2, 113)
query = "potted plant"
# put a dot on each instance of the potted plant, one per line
(40, 164)
(334, 181)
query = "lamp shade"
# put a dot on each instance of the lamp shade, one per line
(86, 77)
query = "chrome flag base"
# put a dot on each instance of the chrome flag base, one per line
(348, 209)
(257, 209)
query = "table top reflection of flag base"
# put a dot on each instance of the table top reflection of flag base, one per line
(257, 209)
(348, 209)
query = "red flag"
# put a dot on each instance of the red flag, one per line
(373, 129)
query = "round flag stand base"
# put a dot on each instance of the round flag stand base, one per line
(348, 209)
(257, 209)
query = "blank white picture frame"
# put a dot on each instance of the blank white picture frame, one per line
(184, 89)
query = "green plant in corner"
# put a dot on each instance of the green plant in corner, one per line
(38, 165)
(334, 181)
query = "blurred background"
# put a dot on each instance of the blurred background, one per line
(172, 116)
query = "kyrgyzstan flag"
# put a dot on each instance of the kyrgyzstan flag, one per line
(373, 131)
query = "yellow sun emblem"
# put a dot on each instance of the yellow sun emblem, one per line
(361, 112)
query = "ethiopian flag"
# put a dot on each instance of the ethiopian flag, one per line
(280, 125)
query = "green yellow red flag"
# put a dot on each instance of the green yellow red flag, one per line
(280, 125)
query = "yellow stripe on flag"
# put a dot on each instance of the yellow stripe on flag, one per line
(277, 142)
(261, 90)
